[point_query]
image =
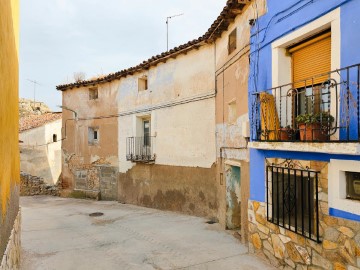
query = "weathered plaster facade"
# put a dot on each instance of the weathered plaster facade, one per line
(88, 166)
(9, 126)
(180, 105)
(40, 155)
(232, 119)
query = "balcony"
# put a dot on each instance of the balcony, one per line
(140, 149)
(324, 108)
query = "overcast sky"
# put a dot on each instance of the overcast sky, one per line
(60, 37)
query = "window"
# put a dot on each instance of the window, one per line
(352, 185)
(292, 202)
(147, 132)
(54, 138)
(309, 58)
(343, 179)
(93, 93)
(232, 41)
(143, 83)
(93, 135)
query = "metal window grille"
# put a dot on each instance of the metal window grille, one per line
(292, 200)
(140, 149)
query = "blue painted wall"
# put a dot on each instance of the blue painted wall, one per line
(282, 18)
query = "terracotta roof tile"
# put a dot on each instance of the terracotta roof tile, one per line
(230, 11)
(34, 121)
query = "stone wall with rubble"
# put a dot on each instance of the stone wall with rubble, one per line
(33, 185)
(11, 258)
(339, 249)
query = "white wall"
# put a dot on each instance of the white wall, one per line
(40, 156)
(181, 103)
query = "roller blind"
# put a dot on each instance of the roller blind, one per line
(311, 58)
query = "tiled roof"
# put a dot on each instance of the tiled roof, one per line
(34, 121)
(221, 24)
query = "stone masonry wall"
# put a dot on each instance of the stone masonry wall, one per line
(33, 185)
(339, 249)
(11, 258)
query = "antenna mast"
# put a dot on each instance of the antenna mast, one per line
(167, 29)
(35, 83)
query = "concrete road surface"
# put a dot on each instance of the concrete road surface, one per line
(59, 234)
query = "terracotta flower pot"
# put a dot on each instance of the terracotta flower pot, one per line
(286, 134)
(313, 132)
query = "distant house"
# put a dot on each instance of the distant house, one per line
(40, 150)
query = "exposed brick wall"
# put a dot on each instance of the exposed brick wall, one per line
(33, 185)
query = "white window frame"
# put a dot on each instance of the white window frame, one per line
(281, 61)
(337, 185)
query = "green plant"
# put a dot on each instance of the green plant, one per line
(323, 117)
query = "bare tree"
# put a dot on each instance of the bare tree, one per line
(79, 76)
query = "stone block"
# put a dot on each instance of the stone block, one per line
(273, 261)
(268, 246)
(329, 245)
(347, 231)
(331, 234)
(278, 246)
(339, 266)
(330, 221)
(263, 229)
(320, 261)
(256, 241)
(256, 206)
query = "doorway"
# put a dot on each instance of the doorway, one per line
(233, 197)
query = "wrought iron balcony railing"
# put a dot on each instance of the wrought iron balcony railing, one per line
(323, 108)
(140, 149)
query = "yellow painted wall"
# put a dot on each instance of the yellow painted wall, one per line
(9, 84)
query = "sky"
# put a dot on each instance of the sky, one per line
(96, 37)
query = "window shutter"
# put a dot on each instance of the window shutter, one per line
(311, 58)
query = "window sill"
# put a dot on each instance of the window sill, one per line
(329, 148)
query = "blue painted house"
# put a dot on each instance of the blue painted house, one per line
(304, 108)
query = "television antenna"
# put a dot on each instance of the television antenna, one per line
(35, 84)
(167, 28)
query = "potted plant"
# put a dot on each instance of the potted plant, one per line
(286, 133)
(314, 127)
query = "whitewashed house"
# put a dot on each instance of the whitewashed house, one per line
(40, 146)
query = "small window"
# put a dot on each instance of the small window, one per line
(93, 93)
(93, 135)
(143, 83)
(352, 185)
(232, 41)
(54, 138)
(291, 200)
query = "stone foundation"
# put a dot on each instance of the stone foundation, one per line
(340, 238)
(11, 257)
(33, 185)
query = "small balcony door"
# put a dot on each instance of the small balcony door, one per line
(147, 132)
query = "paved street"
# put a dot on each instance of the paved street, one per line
(59, 234)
